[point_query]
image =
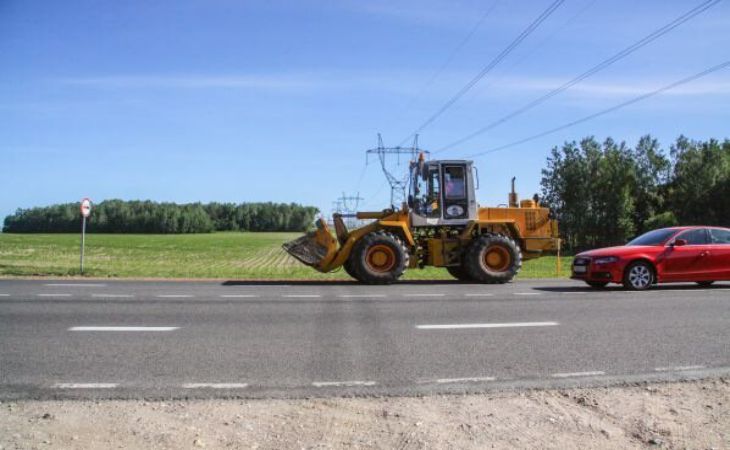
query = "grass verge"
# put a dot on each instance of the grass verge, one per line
(217, 255)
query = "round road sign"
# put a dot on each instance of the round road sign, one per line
(85, 207)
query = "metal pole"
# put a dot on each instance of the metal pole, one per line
(83, 241)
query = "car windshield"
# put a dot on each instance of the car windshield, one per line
(656, 237)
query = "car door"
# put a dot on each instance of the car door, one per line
(688, 262)
(719, 258)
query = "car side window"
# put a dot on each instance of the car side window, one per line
(720, 236)
(694, 237)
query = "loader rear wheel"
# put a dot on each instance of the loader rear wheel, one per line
(379, 258)
(459, 273)
(493, 258)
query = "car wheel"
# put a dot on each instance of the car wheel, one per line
(597, 284)
(639, 276)
(705, 283)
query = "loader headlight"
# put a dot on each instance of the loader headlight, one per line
(605, 260)
(454, 211)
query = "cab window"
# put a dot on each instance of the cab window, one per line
(427, 193)
(721, 237)
(454, 182)
(694, 237)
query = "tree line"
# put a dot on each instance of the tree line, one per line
(119, 216)
(606, 193)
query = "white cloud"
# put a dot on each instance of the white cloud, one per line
(275, 82)
(620, 88)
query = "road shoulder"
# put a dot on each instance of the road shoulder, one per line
(693, 414)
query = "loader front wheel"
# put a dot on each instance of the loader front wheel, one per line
(493, 258)
(379, 258)
(348, 269)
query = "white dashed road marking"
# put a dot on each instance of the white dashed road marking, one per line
(678, 368)
(85, 385)
(215, 385)
(361, 296)
(94, 328)
(461, 326)
(578, 374)
(112, 295)
(54, 295)
(424, 295)
(526, 293)
(174, 296)
(76, 284)
(343, 383)
(4, 295)
(464, 380)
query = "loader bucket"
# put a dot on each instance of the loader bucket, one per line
(316, 248)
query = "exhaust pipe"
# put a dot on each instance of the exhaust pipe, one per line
(513, 200)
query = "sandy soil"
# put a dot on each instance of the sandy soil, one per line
(675, 415)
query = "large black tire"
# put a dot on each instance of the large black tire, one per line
(639, 276)
(378, 258)
(348, 269)
(459, 273)
(493, 258)
(597, 284)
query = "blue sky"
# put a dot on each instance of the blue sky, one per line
(223, 100)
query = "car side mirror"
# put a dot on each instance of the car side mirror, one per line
(679, 243)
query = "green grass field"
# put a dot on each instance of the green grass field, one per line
(231, 255)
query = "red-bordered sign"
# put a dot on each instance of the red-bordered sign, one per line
(86, 207)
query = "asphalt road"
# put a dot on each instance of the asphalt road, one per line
(119, 339)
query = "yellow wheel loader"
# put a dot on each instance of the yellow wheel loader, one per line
(441, 225)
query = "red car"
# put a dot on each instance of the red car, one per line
(679, 254)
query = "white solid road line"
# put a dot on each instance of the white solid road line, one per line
(54, 295)
(112, 295)
(424, 295)
(460, 326)
(479, 295)
(578, 374)
(76, 284)
(215, 385)
(526, 293)
(361, 296)
(343, 383)
(678, 368)
(85, 385)
(301, 295)
(238, 296)
(94, 328)
(4, 295)
(464, 380)
(174, 296)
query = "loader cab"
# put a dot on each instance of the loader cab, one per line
(442, 193)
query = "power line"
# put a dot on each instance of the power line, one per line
(593, 70)
(453, 54)
(608, 110)
(488, 68)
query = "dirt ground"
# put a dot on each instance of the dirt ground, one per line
(693, 415)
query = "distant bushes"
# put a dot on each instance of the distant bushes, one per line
(118, 216)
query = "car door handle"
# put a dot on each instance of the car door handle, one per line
(705, 254)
